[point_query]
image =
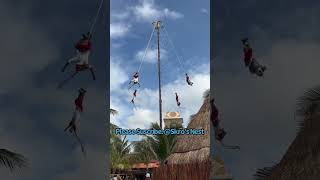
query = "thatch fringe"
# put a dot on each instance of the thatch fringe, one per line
(307, 105)
(200, 155)
(189, 171)
(263, 173)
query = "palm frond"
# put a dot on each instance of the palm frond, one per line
(113, 112)
(143, 153)
(12, 160)
(160, 145)
(264, 173)
(113, 126)
(151, 145)
(119, 150)
(157, 147)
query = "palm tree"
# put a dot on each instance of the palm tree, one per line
(157, 147)
(119, 147)
(112, 126)
(12, 160)
(119, 150)
(142, 152)
(113, 111)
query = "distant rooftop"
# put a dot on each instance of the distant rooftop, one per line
(173, 120)
(172, 115)
(152, 164)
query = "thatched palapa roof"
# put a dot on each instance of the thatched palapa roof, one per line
(301, 161)
(194, 148)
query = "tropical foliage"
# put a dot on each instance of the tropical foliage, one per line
(113, 111)
(119, 148)
(157, 147)
(119, 152)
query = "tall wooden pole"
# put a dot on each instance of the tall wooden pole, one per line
(158, 26)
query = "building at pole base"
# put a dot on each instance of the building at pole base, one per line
(173, 120)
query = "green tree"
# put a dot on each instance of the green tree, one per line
(142, 152)
(157, 147)
(119, 150)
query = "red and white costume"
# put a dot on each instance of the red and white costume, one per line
(247, 55)
(79, 102)
(135, 78)
(82, 57)
(214, 114)
(79, 107)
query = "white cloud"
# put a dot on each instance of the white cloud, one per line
(151, 55)
(118, 30)
(117, 102)
(148, 11)
(119, 16)
(142, 118)
(117, 45)
(204, 11)
(147, 98)
(118, 75)
(172, 14)
(145, 10)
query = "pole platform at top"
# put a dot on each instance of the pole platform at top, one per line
(157, 24)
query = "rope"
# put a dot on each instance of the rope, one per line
(174, 49)
(96, 17)
(145, 52)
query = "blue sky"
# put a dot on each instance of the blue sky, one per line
(130, 28)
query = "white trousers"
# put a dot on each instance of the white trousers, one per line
(76, 117)
(135, 80)
(81, 58)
